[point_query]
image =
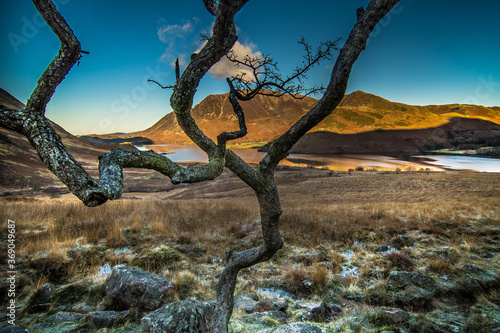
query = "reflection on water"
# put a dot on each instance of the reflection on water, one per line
(481, 164)
(190, 153)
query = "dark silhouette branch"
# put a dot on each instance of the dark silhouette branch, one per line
(267, 80)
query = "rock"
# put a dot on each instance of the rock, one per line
(258, 316)
(395, 315)
(129, 287)
(179, 317)
(297, 328)
(63, 316)
(245, 303)
(399, 280)
(101, 319)
(335, 309)
(279, 303)
(315, 311)
(412, 296)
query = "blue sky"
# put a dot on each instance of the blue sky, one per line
(424, 52)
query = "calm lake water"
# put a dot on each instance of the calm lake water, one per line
(190, 153)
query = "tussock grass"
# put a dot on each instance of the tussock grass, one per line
(456, 213)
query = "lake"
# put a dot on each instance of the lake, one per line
(191, 153)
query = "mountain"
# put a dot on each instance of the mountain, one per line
(268, 117)
(22, 168)
(265, 118)
(459, 133)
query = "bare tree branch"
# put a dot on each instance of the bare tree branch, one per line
(267, 80)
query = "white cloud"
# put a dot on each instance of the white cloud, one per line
(225, 68)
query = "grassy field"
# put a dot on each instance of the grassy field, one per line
(434, 222)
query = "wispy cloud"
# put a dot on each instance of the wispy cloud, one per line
(175, 35)
(169, 32)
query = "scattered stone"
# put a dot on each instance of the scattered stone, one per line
(129, 287)
(315, 311)
(279, 303)
(81, 308)
(395, 315)
(63, 316)
(278, 316)
(245, 303)
(297, 328)
(335, 309)
(179, 317)
(399, 280)
(101, 319)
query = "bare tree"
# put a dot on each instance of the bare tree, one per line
(32, 123)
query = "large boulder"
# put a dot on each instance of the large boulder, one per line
(129, 287)
(180, 317)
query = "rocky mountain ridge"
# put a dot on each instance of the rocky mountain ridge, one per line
(269, 117)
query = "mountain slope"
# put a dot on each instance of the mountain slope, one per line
(265, 117)
(268, 117)
(22, 168)
(459, 133)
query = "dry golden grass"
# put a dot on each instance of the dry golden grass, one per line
(457, 210)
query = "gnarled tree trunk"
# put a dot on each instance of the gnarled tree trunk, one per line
(32, 123)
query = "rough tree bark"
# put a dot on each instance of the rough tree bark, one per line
(32, 123)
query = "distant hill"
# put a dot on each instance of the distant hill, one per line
(460, 133)
(269, 117)
(22, 168)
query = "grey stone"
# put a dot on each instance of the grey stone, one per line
(255, 317)
(395, 315)
(399, 280)
(245, 303)
(129, 287)
(298, 328)
(63, 316)
(279, 303)
(180, 317)
(101, 319)
(315, 311)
